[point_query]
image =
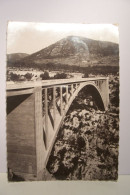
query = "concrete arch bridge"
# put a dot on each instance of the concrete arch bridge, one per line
(35, 111)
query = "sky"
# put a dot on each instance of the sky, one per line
(29, 37)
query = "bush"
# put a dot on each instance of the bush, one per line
(28, 76)
(60, 76)
(14, 77)
(45, 76)
(86, 75)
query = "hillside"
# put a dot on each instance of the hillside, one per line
(74, 50)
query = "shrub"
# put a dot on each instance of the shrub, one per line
(60, 76)
(28, 76)
(45, 75)
(14, 77)
(86, 75)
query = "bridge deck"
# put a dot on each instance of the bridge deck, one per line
(47, 83)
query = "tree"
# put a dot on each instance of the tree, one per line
(85, 75)
(14, 77)
(60, 76)
(45, 75)
(28, 76)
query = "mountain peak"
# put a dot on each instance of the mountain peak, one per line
(76, 50)
(78, 43)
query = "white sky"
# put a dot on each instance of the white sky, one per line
(28, 37)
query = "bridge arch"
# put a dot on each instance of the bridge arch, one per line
(92, 89)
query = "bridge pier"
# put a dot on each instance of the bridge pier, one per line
(104, 88)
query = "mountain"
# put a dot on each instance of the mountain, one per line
(15, 57)
(75, 50)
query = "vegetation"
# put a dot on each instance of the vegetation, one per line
(28, 76)
(17, 77)
(65, 71)
(86, 75)
(97, 68)
(14, 77)
(60, 76)
(45, 75)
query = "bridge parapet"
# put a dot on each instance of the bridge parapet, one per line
(43, 106)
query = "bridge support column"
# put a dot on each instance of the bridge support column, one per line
(39, 132)
(107, 92)
(104, 88)
(46, 117)
(71, 89)
(54, 106)
(76, 85)
(67, 94)
(61, 103)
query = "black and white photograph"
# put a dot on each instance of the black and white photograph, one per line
(62, 101)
